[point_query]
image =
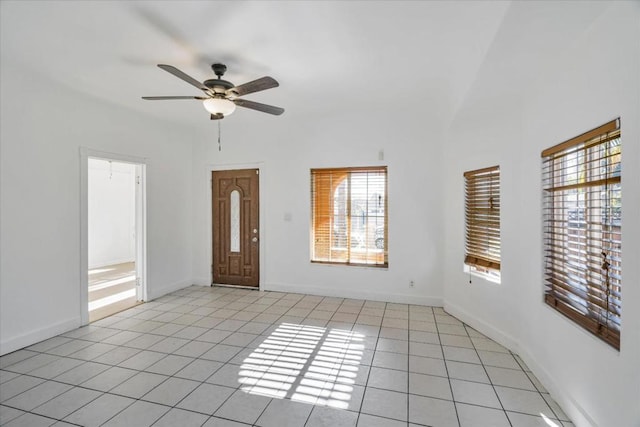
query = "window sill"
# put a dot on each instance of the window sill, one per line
(484, 276)
(352, 264)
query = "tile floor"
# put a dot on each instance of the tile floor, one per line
(229, 357)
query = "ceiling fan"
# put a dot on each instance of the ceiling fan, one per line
(221, 96)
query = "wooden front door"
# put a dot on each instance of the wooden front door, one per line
(236, 236)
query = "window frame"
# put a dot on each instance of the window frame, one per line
(481, 258)
(318, 218)
(581, 213)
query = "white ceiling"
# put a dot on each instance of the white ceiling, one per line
(326, 55)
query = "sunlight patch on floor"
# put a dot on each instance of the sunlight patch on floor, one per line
(111, 299)
(307, 364)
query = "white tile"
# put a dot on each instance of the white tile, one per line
(81, 373)
(524, 420)
(190, 332)
(92, 351)
(389, 379)
(142, 360)
(477, 416)
(239, 339)
(194, 349)
(444, 328)
(18, 385)
(474, 393)
(456, 341)
(199, 370)
(180, 417)
(459, 354)
(284, 413)
(140, 414)
(168, 345)
(169, 365)
(56, 368)
(243, 407)
(117, 355)
(99, 411)
(429, 385)
(427, 365)
(527, 402)
(392, 345)
(433, 412)
(388, 360)
(389, 404)
(425, 350)
(109, 379)
(66, 403)
(31, 363)
(221, 353)
(69, 347)
(214, 336)
(322, 416)
(37, 395)
(139, 385)
(30, 420)
(206, 399)
(366, 420)
(509, 378)
(467, 372)
(7, 414)
(172, 391)
(421, 336)
(500, 360)
(6, 376)
(228, 375)
(45, 345)
(488, 345)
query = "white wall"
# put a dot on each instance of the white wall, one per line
(40, 209)
(111, 212)
(286, 148)
(574, 66)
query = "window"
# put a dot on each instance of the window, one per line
(482, 222)
(581, 181)
(349, 216)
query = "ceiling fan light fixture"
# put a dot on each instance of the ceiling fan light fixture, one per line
(219, 106)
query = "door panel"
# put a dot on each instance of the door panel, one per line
(235, 213)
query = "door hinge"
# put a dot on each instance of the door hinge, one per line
(257, 172)
(138, 179)
(138, 282)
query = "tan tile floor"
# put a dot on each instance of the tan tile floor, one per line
(231, 357)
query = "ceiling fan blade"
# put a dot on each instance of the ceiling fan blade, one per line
(158, 98)
(276, 111)
(217, 116)
(263, 83)
(181, 75)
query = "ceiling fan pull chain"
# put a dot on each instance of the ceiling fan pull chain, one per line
(219, 145)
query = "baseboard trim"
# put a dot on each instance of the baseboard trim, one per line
(348, 293)
(495, 334)
(155, 293)
(578, 415)
(30, 338)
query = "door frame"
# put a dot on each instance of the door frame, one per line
(140, 223)
(261, 209)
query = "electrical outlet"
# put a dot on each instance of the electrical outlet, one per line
(411, 284)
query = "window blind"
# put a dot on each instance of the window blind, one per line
(349, 216)
(482, 220)
(582, 202)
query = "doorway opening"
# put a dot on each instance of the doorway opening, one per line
(114, 266)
